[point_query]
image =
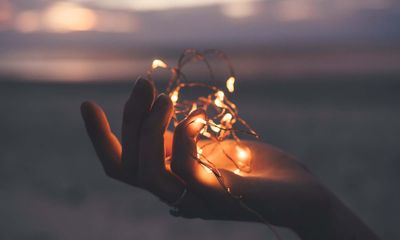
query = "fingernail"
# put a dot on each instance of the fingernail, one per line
(140, 87)
(162, 101)
(139, 82)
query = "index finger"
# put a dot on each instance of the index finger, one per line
(105, 143)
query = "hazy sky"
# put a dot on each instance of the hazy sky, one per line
(218, 21)
(98, 38)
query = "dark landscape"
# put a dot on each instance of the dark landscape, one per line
(52, 187)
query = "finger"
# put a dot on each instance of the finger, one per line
(106, 144)
(168, 139)
(152, 173)
(184, 150)
(137, 107)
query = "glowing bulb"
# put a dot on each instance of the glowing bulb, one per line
(218, 103)
(230, 84)
(200, 120)
(157, 63)
(227, 118)
(194, 107)
(215, 128)
(175, 97)
(199, 152)
(205, 133)
(241, 153)
(220, 95)
(236, 171)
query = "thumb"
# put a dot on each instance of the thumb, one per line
(184, 149)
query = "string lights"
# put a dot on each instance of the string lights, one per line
(223, 117)
(223, 121)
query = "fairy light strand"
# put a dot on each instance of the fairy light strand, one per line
(218, 127)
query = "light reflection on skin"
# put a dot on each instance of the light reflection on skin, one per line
(213, 152)
(218, 153)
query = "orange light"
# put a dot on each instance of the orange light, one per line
(226, 118)
(175, 97)
(205, 133)
(242, 153)
(237, 171)
(200, 120)
(67, 17)
(199, 152)
(220, 95)
(219, 100)
(157, 63)
(194, 107)
(243, 158)
(215, 127)
(230, 84)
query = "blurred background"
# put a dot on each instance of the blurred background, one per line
(317, 78)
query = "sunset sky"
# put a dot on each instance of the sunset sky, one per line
(217, 20)
(49, 27)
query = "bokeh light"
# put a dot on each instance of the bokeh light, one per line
(238, 9)
(27, 21)
(6, 12)
(67, 16)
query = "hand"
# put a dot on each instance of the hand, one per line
(279, 188)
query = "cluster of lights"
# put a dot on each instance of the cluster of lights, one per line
(219, 126)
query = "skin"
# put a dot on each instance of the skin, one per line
(279, 187)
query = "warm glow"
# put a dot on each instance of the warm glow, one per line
(157, 63)
(194, 107)
(207, 170)
(230, 84)
(243, 158)
(298, 10)
(236, 171)
(205, 133)
(220, 95)
(226, 118)
(200, 120)
(162, 5)
(116, 22)
(6, 11)
(239, 9)
(67, 17)
(175, 96)
(218, 103)
(27, 21)
(242, 153)
(214, 127)
(199, 152)
(219, 99)
(205, 175)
